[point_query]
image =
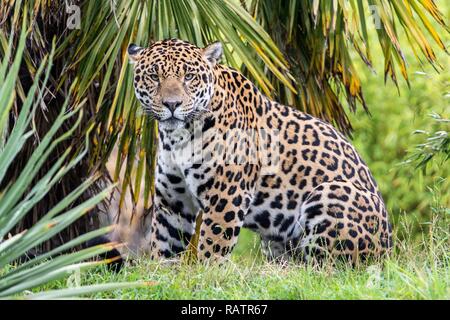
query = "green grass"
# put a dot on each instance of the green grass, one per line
(415, 270)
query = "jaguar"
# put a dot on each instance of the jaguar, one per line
(231, 158)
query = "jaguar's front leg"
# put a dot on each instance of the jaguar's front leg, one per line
(225, 206)
(169, 235)
(222, 222)
(173, 223)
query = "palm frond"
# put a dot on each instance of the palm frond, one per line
(16, 202)
(320, 37)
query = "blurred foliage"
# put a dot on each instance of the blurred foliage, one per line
(320, 39)
(437, 143)
(388, 138)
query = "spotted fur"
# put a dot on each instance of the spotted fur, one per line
(286, 175)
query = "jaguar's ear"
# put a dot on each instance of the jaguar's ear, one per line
(134, 52)
(213, 52)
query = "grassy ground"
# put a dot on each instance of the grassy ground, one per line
(415, 270)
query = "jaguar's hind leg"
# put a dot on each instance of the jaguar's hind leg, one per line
(342, 219)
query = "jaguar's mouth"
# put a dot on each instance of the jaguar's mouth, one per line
(161, 117)
(172, 119)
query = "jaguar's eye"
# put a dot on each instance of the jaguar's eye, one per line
(154, 77)
(188, 76)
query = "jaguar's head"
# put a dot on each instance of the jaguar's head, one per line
(174, 80)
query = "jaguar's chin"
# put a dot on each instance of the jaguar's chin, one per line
(171, 123)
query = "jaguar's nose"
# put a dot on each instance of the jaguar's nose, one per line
(171, 105)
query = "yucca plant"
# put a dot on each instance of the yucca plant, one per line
(19, 196)
(300, 51)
